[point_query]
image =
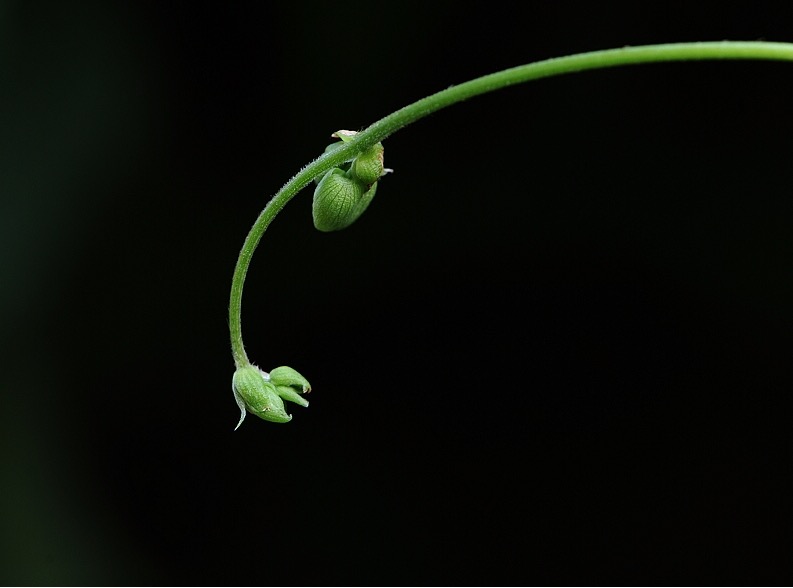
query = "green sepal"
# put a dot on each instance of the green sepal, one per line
(286, 376)
(256, 395)
(345, 136)
(368, 166)
(336, 199)
(290, 394)
(363, 203)
(333, 146)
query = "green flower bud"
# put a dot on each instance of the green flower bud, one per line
(289, 384)
(291, 395)
(368, 166)
(263, 394)
(286, 376)
(255, 394)
(336, 199)
(344, 193)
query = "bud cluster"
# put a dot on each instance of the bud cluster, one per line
(343, 193)
(263, 394)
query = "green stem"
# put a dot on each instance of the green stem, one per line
(756, 50)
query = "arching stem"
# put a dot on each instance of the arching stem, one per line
(754, 50)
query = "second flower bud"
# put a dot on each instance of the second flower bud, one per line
(344, 193)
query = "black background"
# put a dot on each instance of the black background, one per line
(557, 349)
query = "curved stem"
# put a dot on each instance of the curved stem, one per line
(756, 50)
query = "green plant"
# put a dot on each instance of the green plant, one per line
(347, 173)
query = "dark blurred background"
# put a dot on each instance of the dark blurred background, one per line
(557, 349)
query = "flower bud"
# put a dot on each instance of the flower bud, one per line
(286, 376)
(255, 394)
(342, 194)
(289, 384)
(336, 199)
(290, 394)
(368, 166)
